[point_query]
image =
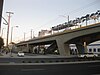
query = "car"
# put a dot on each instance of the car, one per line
(86, 55)
(20, 53)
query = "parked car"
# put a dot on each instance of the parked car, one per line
(86, 55)
(20, 53)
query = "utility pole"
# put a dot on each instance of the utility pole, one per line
(12, 33)
(9, 15)
(31, 33)
(68, 20)
(24, 36)
(1, 8)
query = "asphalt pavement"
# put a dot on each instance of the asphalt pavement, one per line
(33, 64)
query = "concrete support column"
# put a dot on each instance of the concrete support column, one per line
(33, 48)
(30, 49)
(20, 48)
(80, 48)
(27, 47)
(64, 49)
(85, 47)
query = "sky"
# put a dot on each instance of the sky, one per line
(37, 15)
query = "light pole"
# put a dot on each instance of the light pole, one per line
(9, 15)
(12, 33)
(66, 17)
(24, 36)
(32, 33)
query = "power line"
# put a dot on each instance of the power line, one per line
(48, 22)
(72, 12)
(83, 7)
(76, 10)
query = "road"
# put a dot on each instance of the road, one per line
(46, 65)
(65, 68)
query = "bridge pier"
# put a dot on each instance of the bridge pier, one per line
(85, 47)
(79, 36)
(63, 48)
(81, 48)
(30, 48)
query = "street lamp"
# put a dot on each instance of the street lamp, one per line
(12, 32)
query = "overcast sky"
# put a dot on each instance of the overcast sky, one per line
(43, 14)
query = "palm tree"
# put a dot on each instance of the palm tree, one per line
(74, 22)
(82, 19)
(65, 24)
(70, 23)
(78, 20)
(97, 15)
(93, 16)
(87, 17)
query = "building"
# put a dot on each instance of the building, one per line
(92, 48)
(44, 33)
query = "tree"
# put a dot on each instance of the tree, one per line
(1, 42)
(87, 18)
(97, 15)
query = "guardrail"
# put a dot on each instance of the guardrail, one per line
(46, 60)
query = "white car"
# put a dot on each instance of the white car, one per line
(20, 53)
(85, 55)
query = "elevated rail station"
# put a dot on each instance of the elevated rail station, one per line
(81, 37)
(62, 64)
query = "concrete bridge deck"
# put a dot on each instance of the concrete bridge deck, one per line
(78, 36)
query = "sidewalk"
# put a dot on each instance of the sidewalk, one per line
(8, 55)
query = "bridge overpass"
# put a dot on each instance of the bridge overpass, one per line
(81, 37)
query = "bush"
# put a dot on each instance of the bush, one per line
(1, 42)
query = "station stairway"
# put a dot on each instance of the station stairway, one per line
(51, 49)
